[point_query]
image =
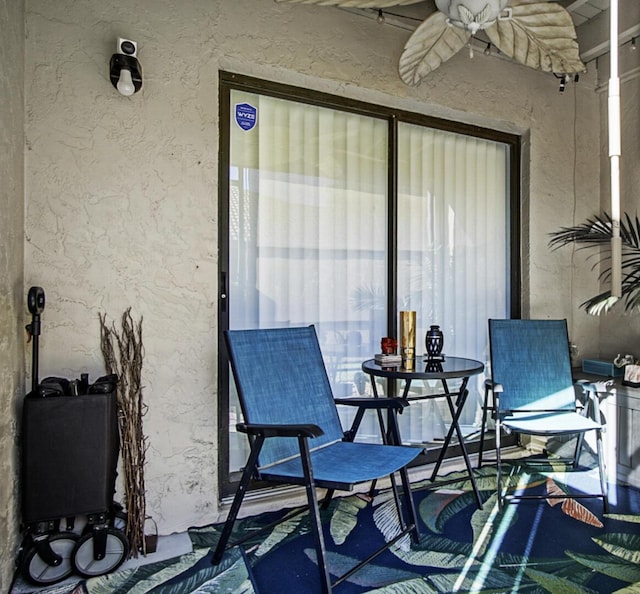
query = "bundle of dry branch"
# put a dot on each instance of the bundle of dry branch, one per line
(123, 355)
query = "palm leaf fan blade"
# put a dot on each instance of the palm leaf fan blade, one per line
(353, 3)
(431, 44)
(540, 35)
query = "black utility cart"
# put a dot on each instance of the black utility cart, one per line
(70, 447)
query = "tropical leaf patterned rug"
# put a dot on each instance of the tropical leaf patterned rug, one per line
(535, 547)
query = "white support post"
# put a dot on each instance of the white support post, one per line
(614, 154)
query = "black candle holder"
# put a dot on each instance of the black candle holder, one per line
(433, 342)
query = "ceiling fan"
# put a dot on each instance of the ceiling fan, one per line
(536, 33)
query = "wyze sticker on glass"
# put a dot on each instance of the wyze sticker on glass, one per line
(246, 116)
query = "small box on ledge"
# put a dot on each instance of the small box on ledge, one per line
(598, 367)
(388, 360)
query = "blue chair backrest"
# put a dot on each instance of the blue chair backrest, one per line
(281, 379)
(530, 358)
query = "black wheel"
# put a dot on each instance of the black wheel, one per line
(37, 571)
(116, 552)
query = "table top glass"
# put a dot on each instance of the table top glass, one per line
(451, 367)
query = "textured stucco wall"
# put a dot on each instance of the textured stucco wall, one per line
(11, 271)
(122, 192)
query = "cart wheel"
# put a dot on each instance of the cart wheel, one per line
(37, 571)
(83, 561)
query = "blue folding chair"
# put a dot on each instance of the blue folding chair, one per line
(291, 419)
(533, 393)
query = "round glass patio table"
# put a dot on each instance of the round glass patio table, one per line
(457, 368)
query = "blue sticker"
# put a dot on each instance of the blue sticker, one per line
(246, 116)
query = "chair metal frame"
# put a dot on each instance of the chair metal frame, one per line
(486, 410)
(524, 418)
(304, 434)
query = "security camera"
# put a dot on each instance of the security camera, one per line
(127, 47)
(125, 71)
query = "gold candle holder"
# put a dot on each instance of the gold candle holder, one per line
(408, 338)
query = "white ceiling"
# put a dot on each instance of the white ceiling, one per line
(591, 18)
(583, 10)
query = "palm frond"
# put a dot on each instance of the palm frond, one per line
(596, 232)
(600, 304)
(368, 298)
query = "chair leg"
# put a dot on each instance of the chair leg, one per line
(498, 466)
(326, 500)
(395, 439)
(603, 475)
(314, 512)
(396, 498)
(579, 444)
(484, 423)
(237, 500)
(409, 504)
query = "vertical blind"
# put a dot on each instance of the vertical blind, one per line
(309, 220)
(452, 251)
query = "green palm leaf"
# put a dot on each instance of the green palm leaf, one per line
(204, 536)
(231, 575)
(216, 586)
(596, 233)
(426, 558)
(412, 586)
(375, 574)
(385, 517)
(485, 478)
(345, 517)
(624, 546)
(609, 565)
(553, 583)
(145, 577)
(476, 580)
(484, 523)
(632, 518)
(278, 535)
(439, 507)
(436, 551)
(108, 584)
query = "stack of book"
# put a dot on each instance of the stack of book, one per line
(388, 360)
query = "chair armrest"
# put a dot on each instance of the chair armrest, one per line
(592, 390)
(373, 403)
(496, 389)
(601, 387)
(256, 429)
(494, 386)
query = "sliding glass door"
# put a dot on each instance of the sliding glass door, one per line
(452, 253)
(307, 231)
(341, 215)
